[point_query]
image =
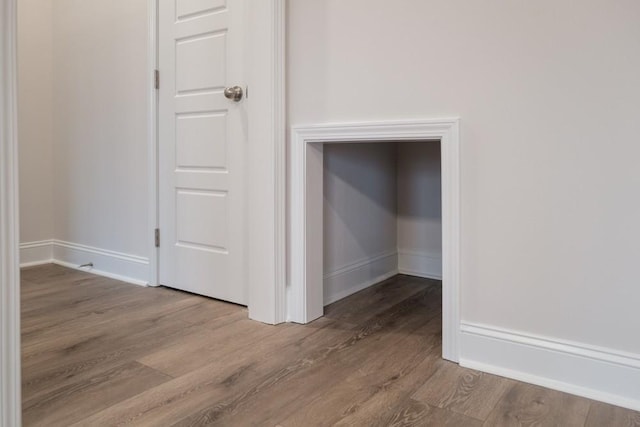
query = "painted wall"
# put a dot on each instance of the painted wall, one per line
(35, 119)
(548, 98)
(100, 136)
(83, 134)
(419, 209)
(360, 233)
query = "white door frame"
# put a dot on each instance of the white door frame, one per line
(266, 259)
(153, 213)
(266, 161)
(10, 397)
(304, 293)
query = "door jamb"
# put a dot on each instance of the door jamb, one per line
(10, 400)
(152, 141)
(266, 161)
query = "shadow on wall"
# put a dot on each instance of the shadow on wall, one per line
(420, 197)
(379, 197)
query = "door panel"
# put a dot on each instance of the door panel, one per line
(202, 137)
(189, 8)
(198, 64)
(201, 140)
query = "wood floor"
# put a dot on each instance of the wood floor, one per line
(98, 352)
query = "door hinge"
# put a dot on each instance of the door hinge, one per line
(156, 79)
(157, 237)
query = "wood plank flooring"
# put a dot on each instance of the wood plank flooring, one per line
(98, 352)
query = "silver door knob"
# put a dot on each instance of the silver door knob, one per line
(234, 93)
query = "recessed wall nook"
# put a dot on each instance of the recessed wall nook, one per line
(310, 215)
(382, 214)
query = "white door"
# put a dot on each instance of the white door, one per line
(202, 138)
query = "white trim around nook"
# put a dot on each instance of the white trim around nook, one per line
(305, 288)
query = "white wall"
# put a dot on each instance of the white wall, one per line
(84, 132)
(419, 209)
(360, 233)
(100, 91)
(35, 119)
(547, 93)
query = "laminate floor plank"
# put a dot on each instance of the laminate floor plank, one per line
(90, 305)
(385, 366)
(390, 391)
(394, 374)
(99, 352)
(80, 293)
(65, 405)
(369, 302)
(87, 358)
(185, 356)
(212, 385)
(103, 330)
(82, 366)
(602, 414)
(462, 390)
(100, 326)
(284, 392)
(211, 312)
(50, 273)
(530, 405)
(412, 413)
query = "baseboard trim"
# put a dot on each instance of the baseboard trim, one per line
(101, 273)
(588, 371)
(420, 264)
(359, 275)
(36, 253)
(116, 265)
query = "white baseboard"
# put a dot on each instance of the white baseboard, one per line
(359, 275)
(421, 264)
(588, 371)
(36, 253)
(116, 265)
